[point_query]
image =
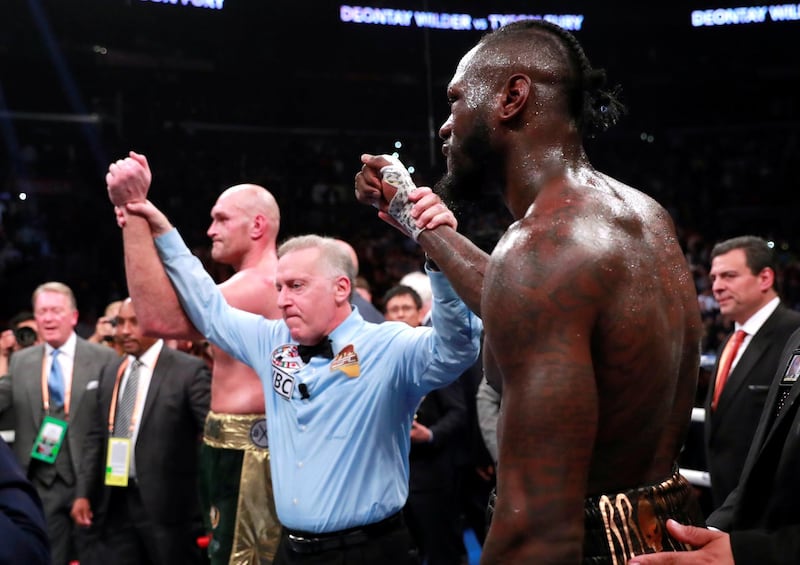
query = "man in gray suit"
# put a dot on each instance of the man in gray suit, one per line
(49, 387)
(743, 281)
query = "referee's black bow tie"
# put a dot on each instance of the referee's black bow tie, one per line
(321, 349)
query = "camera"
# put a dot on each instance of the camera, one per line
(25, 336)
(111, 322)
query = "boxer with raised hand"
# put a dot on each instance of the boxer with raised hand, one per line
(236, 489)
(592, 328)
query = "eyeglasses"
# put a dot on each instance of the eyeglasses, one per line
(402, 308)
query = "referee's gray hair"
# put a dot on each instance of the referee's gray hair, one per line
(335, 257)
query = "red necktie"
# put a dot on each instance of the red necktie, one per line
(725, 362)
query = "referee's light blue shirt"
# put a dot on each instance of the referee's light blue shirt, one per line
(339, 458)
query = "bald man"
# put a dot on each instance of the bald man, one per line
(365, 307)
(237, 486)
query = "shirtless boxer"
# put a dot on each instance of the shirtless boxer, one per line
(237, 486)
(591, 320)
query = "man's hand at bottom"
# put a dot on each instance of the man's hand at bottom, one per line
(81, 512)
(713, 548)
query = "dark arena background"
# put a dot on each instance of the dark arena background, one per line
(289, 94)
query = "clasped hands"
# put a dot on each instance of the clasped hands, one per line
(128, 182)
(428, 211)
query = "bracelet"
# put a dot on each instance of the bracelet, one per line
(431, 264)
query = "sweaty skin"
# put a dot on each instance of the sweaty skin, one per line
(235, 388)
(592, 328)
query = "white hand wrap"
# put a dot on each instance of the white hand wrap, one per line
(396, 175)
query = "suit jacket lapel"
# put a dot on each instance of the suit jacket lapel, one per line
(106, 388)
(773, 399)
(751, 356)
(81, 374)
(160, 372)
(33, 386)
(766, 424)
(765, 433)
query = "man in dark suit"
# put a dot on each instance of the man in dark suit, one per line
(743, 281)
(759, 521)
(149, 509)
(22, 526)
(365, 307)
(50, 392)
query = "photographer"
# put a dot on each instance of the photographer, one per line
(22, 333)
(105, 330)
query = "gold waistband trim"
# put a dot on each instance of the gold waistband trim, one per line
(235, 431)
(634, 522)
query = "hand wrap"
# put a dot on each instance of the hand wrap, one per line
(397, 176)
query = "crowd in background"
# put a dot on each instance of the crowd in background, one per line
(715, 142)
(715, 184)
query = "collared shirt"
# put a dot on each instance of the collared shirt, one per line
(340, 457)
(148, 360)
(752, 325)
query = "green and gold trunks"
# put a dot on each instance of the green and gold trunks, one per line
(237, 490)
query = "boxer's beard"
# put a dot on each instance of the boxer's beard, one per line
(468, 180)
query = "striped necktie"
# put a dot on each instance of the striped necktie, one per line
(127, 402)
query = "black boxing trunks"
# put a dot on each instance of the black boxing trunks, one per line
(619, 526)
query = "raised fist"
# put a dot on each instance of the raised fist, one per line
(128, 180)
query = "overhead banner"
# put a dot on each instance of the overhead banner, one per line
(744, 15)
(446, 20)
(210, 4)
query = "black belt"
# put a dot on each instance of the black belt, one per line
(306, 542)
